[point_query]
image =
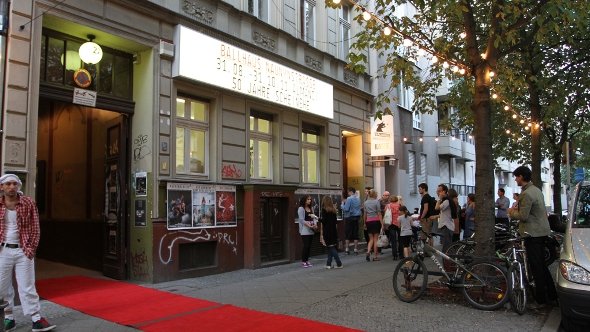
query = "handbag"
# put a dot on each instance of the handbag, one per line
(382, 241)
(387, 216)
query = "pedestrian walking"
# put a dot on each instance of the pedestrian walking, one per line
(19, 236)
(373, 224)
(307, 226)
(405, 221)
(469, 216)
(502, 205)
(351, 208)
(328, 232)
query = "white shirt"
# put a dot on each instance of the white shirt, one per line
(12, 235)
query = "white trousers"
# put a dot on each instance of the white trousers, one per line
(15, 259)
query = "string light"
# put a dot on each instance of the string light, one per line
(388, 29)
(435, 57)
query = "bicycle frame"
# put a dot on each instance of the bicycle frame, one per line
(451, 280)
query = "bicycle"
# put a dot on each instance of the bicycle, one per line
(484, 283)
(518, 271)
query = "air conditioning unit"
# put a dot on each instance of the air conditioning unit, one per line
(166, 49)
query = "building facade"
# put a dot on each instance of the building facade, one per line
(185, 149)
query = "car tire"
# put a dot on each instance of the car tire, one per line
(569, 324)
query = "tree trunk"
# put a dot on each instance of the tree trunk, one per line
(484, 166)
(557, 182)
(535, 129)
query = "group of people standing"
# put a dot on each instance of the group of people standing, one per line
(389, 215)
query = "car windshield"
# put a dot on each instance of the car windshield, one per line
(582, 209)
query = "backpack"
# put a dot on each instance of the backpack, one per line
(431, 205)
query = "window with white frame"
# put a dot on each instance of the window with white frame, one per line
(260, 146)
(308, 21)
(344, 25)
(310, 154)
(258, 8)
(192, 136)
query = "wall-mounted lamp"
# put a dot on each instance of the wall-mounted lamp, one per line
(90, 52)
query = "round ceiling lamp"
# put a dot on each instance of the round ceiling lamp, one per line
(90, 52)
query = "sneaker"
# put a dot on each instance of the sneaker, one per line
(304, 264)
(42, 325)
(9, 324)
(309, 264)
(339, 266)
(328, 267)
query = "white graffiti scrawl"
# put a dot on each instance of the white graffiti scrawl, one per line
(202, 234)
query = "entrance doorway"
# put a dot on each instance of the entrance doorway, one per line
(352, 161)
(272, 228)
(81, 190)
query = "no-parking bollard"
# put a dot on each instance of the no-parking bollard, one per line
(3, 305)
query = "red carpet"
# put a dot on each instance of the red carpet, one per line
(153, 310)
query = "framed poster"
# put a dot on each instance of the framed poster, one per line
(141, 184)
(201, 206)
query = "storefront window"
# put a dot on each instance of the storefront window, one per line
(310, 151)
(260, 146)
(191, 136)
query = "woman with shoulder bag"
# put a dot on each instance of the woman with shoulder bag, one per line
(394, 227)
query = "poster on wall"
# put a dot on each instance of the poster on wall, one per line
(141, 184)
(316, 200)
(200, 206)
(140, 212)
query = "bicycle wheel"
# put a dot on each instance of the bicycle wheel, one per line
(485, 285)
(410, 279)
(518, 290)
(459, 250)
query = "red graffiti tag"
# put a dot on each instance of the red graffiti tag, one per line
(231, 171)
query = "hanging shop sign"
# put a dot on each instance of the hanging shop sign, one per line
(208, 60)
(382, 136)
(191, 206)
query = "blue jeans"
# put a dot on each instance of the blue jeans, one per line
(333, 253)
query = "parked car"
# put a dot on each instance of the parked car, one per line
(573, 274)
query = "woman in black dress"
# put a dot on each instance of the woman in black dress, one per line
(328, 232)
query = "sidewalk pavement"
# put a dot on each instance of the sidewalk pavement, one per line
(358, 296)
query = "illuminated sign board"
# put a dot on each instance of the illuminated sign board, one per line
(208, 60)
(382, 136)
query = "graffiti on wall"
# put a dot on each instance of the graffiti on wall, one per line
(139, 265)
(231, 171)
(169, 239)
(140, 147)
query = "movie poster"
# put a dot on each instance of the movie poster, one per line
(201, 206)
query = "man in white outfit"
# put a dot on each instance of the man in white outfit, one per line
(19, 238)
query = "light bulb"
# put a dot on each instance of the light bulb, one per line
(514, 116)
(495, 96)
(407, 42)
(462, 71)
(335, 2)
(506, 108)
(366, 15)
(445, 65)
(462, 35)
(387, 31)
(434, 59)
(492, 74)
(455, 69)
